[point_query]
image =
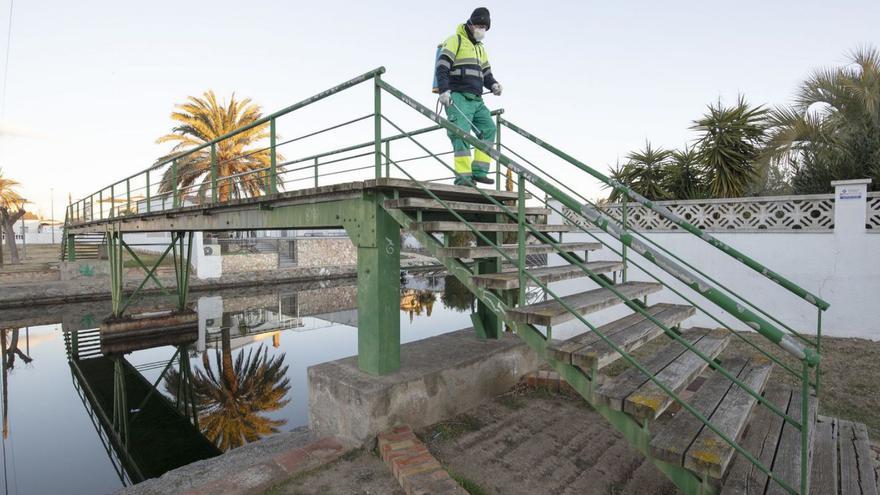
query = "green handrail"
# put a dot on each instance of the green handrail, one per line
(696, 283)
(677, 220)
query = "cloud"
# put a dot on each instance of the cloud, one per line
(8, 130)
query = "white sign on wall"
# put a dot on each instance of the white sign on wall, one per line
(845, 193)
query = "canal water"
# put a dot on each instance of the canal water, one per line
(190, 392)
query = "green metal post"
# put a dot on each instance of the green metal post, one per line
(388, 158)
(521, 236)
(128, 196)
(214, 195)
(112, 199)
(71, 247)
(805, 427)
(378, 289)
(486, 322)
(273, 185)
(316, 172)
(92, 207)
(148, 191)
(818, 347)
(498, 147)
(173, 185)
(623, 219)
(101, 204)
(377, 123)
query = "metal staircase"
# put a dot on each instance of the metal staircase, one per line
(710, 420)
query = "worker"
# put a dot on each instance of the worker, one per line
(461, 73)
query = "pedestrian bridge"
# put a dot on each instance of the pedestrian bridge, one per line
(396, 179)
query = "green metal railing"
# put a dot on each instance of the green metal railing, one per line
(285, 175)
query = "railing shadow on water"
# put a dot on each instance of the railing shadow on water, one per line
(797, 353)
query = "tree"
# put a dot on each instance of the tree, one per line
(832, 131)
(201, 120)
(730, 142)
(682, 175)
(11, 210)
(230, 401)
(645, 171)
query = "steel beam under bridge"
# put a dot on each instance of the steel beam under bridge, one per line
(355, 206)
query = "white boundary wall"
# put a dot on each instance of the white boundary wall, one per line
(841, 265)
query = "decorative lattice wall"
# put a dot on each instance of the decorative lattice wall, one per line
(872, 215)
(812, 213)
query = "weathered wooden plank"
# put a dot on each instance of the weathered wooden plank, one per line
(472, 252)
(614, 391)
(443, 191)
(510, 279)
(856, 470)
(823, 470)
(787, 463)
(867, 479)
(760, 439)
(849, 463)
(649, 401)
(562, 350)
(709, 454)
(459, 206)
(672, 437)
(444, 226)
(553, 312)
(600, 354)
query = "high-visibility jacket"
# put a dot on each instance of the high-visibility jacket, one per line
(463, 65)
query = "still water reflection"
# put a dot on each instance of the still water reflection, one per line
(89, 413)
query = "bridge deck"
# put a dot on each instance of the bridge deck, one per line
(308, 208)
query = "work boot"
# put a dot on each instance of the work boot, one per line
(483, 179)
(463, 180)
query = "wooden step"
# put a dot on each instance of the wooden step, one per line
(459, 206)
(472, 252)
(443, 226)
(553, 312)
(407, 188)
(685, 440)
(773, 442)
(841, 459)
(674, 365)
(510, 279)
(630, 332)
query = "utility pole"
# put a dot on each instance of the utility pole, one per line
(52, 212)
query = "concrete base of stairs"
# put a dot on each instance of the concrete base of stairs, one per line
(439, 377)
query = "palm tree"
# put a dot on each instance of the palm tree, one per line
(201, 120)
(11, 210)
(832, 131)
(682, 175)
(231, 400)
(730, 142)
(646, 171)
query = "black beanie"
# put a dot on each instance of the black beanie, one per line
(480, 17)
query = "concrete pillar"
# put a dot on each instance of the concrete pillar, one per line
(850, 200)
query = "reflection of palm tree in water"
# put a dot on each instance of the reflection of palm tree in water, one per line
(230, 401)
(416, 301)
(8, 364)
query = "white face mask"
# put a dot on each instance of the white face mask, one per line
(479, 33)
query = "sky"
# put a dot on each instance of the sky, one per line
(91, 84)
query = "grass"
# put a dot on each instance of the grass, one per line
(455, 427)
(469, 486)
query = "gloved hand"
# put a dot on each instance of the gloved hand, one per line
(446, 98)
(496, 89)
